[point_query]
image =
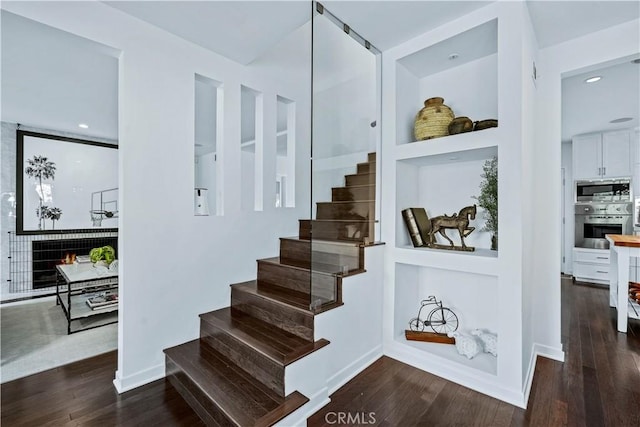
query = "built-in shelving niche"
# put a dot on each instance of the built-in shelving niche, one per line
(468, 83)
(471, 296)
(444, 183)
(285, 153)
(208, 135)
(252, 148)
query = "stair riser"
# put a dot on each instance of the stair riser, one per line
(362, 179)
(296, 279)
(206, 409)
(366, 167)
(349, 210)
(299, 252)
(342, 194)
(279, 315)
(284, 276)
(262, 368)
(371, 157)
(337, 230)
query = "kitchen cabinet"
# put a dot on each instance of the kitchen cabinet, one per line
(591, 265)
(602, 155)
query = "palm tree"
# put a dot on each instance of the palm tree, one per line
(40, 168)
(54, 215)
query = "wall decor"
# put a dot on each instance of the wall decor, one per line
(442, 320)
(488, 199)
(57, 174)
(433, 120)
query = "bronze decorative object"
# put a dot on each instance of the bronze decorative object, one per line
(460, 124)
(458, 221)
(485, 124)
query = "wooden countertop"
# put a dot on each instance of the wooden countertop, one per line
(624, 240)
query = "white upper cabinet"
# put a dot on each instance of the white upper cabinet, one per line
(602, 155)
(587, 156)
(616, 154)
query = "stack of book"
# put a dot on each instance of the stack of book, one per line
(103, 300)
(418, 225)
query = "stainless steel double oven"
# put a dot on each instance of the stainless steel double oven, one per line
(602, 207)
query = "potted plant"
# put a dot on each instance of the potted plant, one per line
(104, 255)
(40, 168)
(488, 199)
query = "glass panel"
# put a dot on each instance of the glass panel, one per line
(208, 195)
(251, 144)
(345, 137)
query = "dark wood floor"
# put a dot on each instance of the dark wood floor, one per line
(598, 385)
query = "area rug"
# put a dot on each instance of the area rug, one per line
(33, 338)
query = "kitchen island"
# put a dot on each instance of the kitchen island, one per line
(622, 248)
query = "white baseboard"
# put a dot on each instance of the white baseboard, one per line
(553, 353)
(354, 368)
(139, 379)
(544, 351)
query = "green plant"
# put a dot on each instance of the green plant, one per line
(106, 253)
(488, 199)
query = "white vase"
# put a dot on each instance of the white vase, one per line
(201, 202)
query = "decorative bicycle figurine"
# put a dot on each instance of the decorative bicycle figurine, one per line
(441, 319)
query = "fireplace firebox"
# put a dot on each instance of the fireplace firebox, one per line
(46, 254)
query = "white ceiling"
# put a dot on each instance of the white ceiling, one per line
(53, 79)
(239, 30)
(589, 107)
(558, 21)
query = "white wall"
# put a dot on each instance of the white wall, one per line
(185, 262)
(594, 48)
(566, 157)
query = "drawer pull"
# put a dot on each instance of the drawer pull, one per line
(602, 257)
(598, 271)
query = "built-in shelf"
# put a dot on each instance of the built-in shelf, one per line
(453, 148)
(447, 353)
(480, 261)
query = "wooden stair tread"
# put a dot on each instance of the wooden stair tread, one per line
(331, 242)
(242, 399)
(336, 202)
(353, 186)
(342, 220)
(279, 345)
(317, 267)
(296, 300)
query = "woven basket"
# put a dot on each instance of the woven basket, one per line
(433, 120)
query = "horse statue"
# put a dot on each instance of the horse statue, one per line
(459, 221)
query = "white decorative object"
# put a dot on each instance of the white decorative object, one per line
(201, 202)
(467, 345)
(113, 267)
(489, 341)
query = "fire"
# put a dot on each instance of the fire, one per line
(68, 259)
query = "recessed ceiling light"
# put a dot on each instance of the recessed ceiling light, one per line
(621, 120)
(593, 79)
(83, 126)
(453, 56)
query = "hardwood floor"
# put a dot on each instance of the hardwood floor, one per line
(598, 385)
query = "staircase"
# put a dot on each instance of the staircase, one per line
(233, 375)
